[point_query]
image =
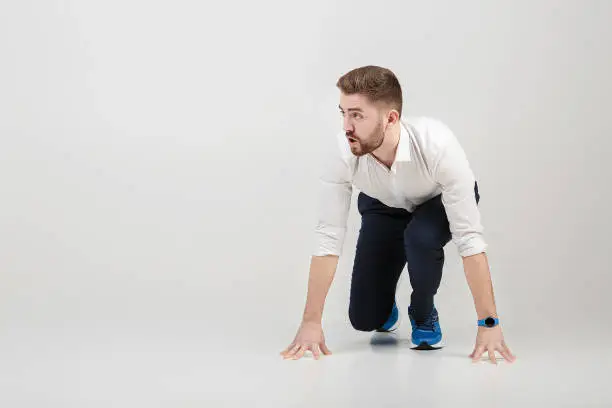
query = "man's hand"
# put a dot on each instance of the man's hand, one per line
(308, 338)
(491, 340)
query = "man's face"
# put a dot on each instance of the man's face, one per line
(362, 123)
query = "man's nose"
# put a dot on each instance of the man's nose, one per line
(348, 126)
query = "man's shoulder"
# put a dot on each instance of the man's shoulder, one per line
(428, 126)
(432, 134)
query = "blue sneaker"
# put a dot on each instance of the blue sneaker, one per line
(392, 322)
(428, 334)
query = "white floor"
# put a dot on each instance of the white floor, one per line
(183, 365)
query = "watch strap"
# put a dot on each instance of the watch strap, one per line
(482, 322)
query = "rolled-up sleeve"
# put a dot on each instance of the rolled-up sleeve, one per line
(334, 200)
(456, 179)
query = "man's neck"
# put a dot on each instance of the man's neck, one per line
(388, 149)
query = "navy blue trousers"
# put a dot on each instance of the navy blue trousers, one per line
(390, 238)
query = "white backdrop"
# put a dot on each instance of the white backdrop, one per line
(159, 164)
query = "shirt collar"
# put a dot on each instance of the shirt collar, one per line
(403, 147)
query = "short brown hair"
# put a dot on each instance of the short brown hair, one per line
(378, 84)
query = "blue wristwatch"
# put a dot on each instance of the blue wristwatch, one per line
(488, 322)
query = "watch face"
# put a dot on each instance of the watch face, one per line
(489, 322)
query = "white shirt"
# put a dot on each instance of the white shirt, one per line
(429, 161)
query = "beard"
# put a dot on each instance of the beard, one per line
(362, 146)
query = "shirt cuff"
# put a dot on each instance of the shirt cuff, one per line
(472, 245)
(329, 240)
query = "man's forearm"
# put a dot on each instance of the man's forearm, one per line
(478, 276)
(322, 271)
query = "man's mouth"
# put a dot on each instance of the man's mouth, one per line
(351, 139)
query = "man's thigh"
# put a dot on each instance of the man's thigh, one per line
(379, 261)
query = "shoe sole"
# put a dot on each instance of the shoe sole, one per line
(426, 346)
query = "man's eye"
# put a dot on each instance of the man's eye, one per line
(354, 115)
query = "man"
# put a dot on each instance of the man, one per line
(417, 193)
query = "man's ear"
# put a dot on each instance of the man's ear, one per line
(393, 116)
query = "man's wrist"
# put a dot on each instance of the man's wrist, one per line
(488, 322)
(484, 315)
(312, 318)
(312, 323)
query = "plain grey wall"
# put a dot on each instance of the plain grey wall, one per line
(159, 160)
